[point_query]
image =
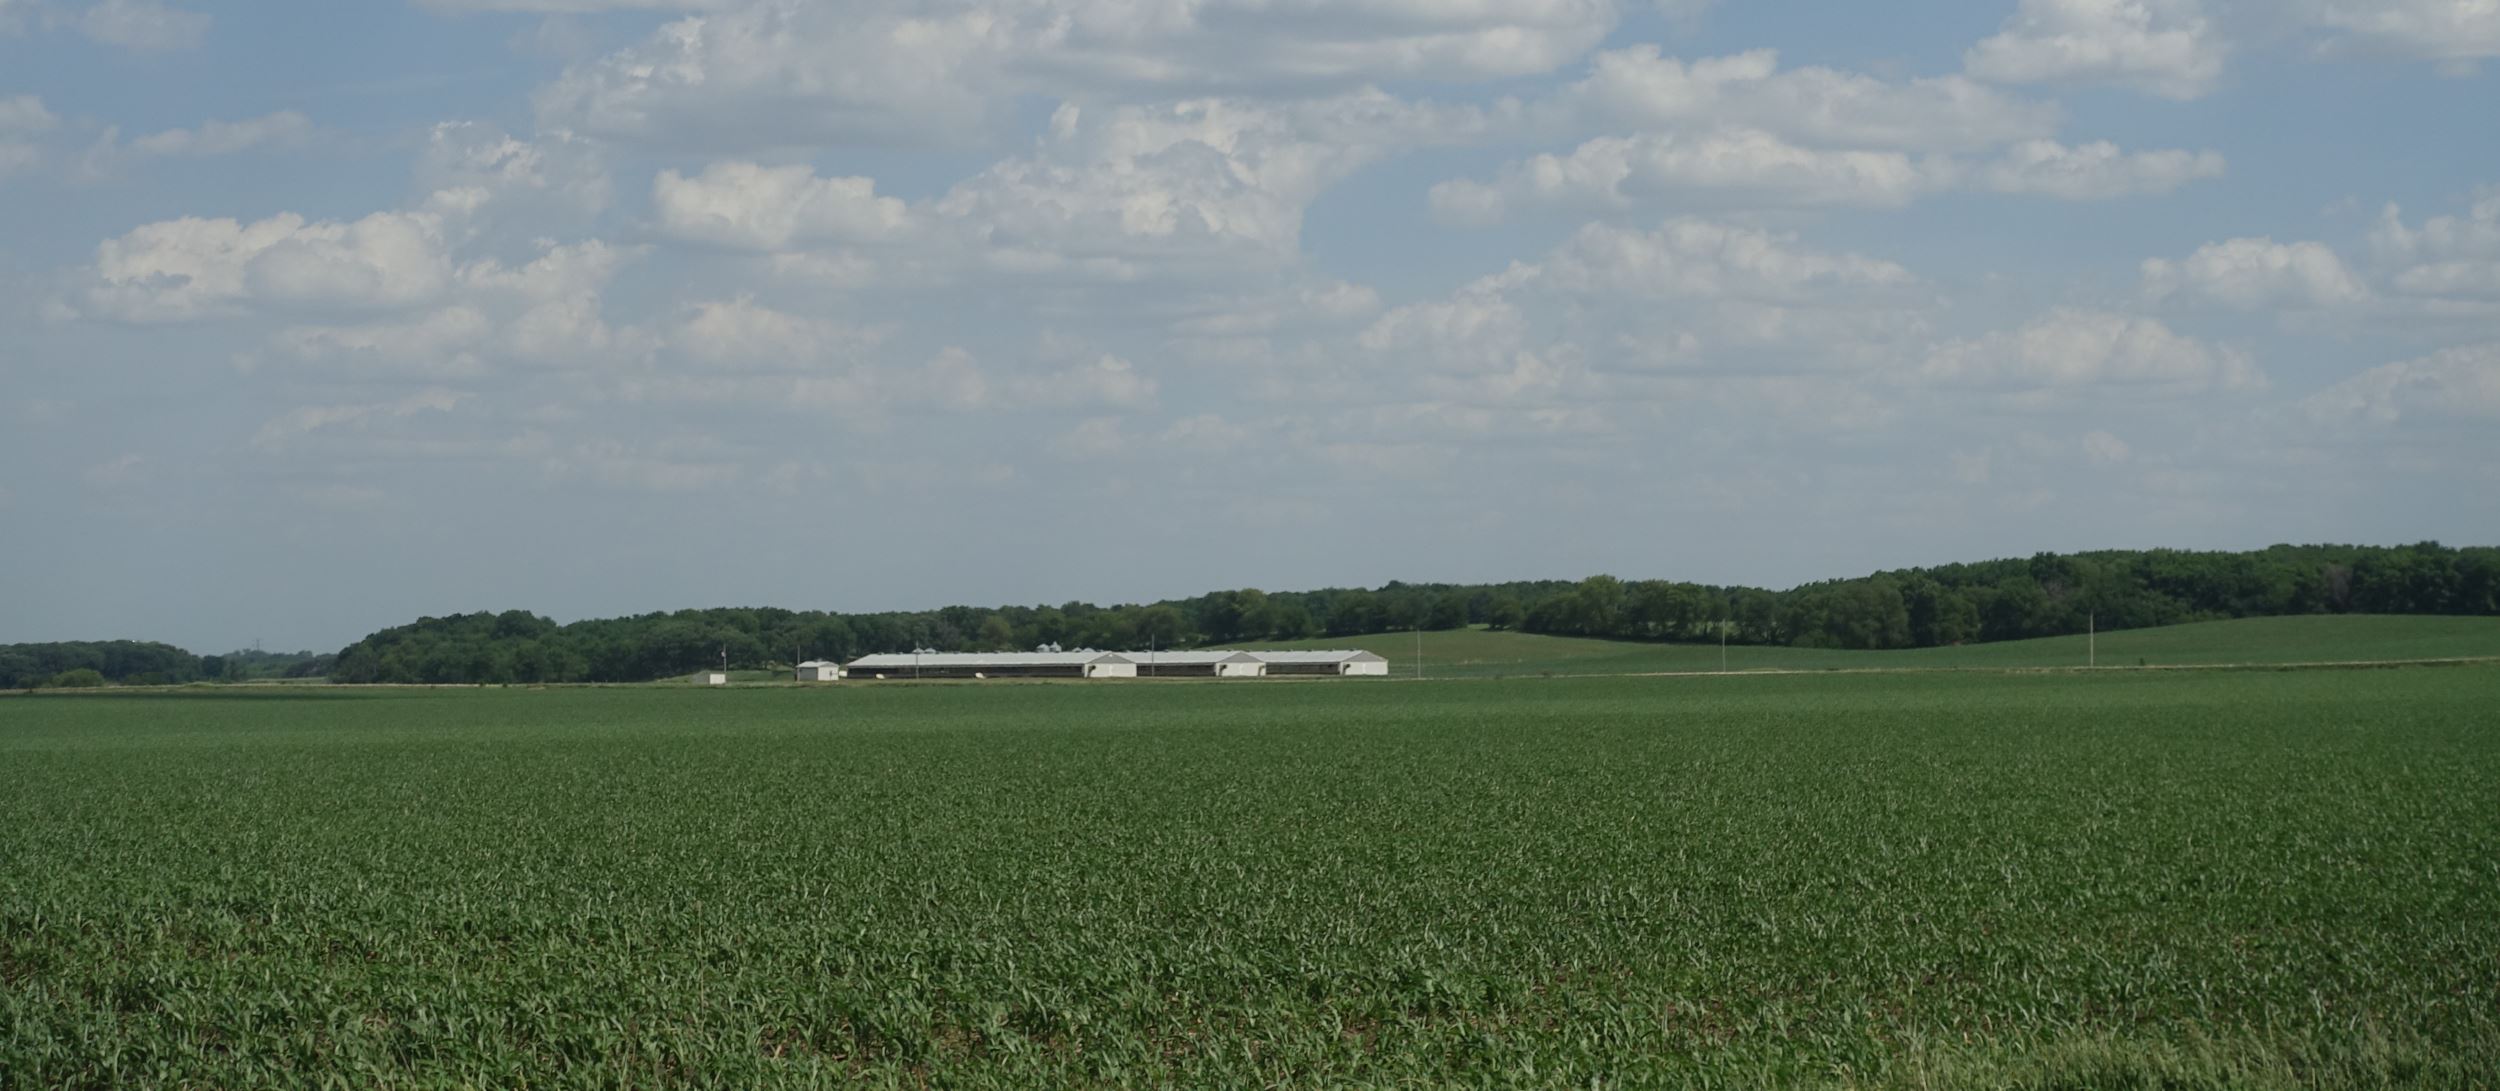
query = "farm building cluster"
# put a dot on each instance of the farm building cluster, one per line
(1051, 663)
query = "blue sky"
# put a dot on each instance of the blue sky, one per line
(320, 317)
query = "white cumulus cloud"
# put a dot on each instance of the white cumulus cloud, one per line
(544, 311)
(444, 344)
(2455, 255)
(1750, 168)
(2257, 272)
(1638, 87)
(22, 119)
(2103, 449)
(2438, 30)
(1737, 167)
(2072, 348)
(787, 73)
(768, 208)
(295, 424)
(192, 268)
(25, 115)
(1204, 178)
(1701, 259)
(226, 137)
(2164, 47)
(1688, 293)
(2095, 171)
(575, 7)
(2461, 383)
(741, 334)
(137, 24)
(488, 175)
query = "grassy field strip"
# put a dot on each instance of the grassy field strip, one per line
(2317, 639)
(2328, 665)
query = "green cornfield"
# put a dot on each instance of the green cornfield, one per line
(1971, 880)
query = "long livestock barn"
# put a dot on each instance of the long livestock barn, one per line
(1345, 663)
(1197, 664)
(1091, 664)
(992, 665)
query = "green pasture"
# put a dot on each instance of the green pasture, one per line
(2309, 639)
(2277, 879)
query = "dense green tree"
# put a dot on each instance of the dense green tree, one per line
(1938, 615)
(1161, 624)
(1664, 610)
(1504, 611)
(1290, 620)
(1597, 606)
(1401, 609)
(1225, 616)
(123, 662)
(1356, 612)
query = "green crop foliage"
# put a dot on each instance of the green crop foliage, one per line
(2139, 879)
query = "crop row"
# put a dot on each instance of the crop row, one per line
(2232, 879)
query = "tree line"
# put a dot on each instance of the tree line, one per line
(2045, 595)
(77, 664)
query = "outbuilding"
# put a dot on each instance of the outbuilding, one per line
(1347, 663)
(820, 670)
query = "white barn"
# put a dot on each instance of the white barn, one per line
(820, 670)
(1094, 664)
(1078, 664)
(1198, 664)
(1344, 663)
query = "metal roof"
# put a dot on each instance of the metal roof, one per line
(977, 660)
(1189, 659)
(818, 663)
(1318, 657)
(907, 660)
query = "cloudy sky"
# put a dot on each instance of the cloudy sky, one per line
(317, 317)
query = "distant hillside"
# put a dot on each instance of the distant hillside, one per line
(1948, 608)
(2322, 639)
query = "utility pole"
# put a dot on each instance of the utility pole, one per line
(2092, 639)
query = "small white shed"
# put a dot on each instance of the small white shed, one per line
(820, 670)
(715, 678)
(1111, 666)
(1366, 663)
